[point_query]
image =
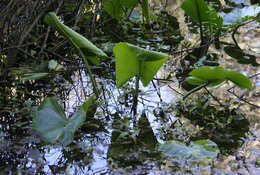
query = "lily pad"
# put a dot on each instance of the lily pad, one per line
(196, 151)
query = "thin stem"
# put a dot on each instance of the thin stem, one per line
(194, 90)
(135, 100)
(93, 81)
(201, 29)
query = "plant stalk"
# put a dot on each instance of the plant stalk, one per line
(194, 90)
(135, 100)
(93, 81)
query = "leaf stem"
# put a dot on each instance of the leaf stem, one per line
(194, 90)
(135, 100)
(93, 81)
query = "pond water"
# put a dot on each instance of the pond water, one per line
(113, 141)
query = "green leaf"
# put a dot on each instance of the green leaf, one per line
(127, 63)
(195, 80)
(216, 75)
(77, 40)
(209, 73)
(34, 76)
(146, 11)
(149, 69)
(132, 60)
(202, 13)
(239, 79)
(116, 8)
(51, 124)
(196, 151)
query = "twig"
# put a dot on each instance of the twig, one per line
(214, 98)
(175, 90)
(157, 91)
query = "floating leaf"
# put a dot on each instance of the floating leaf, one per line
(132, 60)
(89, 49)
(240, 56)
(51, 124)
(196, 151)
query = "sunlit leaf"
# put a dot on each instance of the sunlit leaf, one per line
(216, 75)
(196, 151)
(132, 60)
(77, 40)
(209, 73)
(51, 124)
(195, 80)
(239, 79)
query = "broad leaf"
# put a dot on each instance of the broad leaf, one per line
(196, 151)
(89, 49)
(51, 124)
(239, 79)
(195, 80)
(127, 63)
(209, 73)
(216, 75)
(132, 60)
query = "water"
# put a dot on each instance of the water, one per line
(93, 151)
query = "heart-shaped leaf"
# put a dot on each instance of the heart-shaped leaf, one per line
(51, 124)
(132, 60)
(79, 41)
